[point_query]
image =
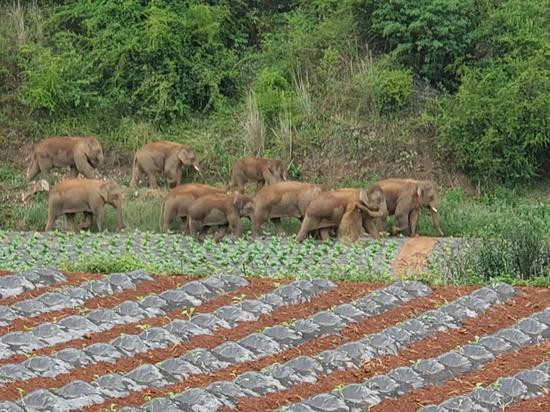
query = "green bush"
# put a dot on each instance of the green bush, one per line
(496, 127)
(105, 263)
(273, 93)
(431, 36)
(385, 89)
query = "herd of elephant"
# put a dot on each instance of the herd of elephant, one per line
(201, 208)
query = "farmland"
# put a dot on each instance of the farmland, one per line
(136, 341)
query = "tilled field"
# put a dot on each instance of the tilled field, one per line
(139, 342)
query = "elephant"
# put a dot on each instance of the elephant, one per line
(328, 209)
(178, 200)
(220, 209)
(258, 170)
(405, 197)
(88, 196)
(282, 199)
(81, 154)
(163, 157)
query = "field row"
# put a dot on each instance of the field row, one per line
(226, 342)
(176, 253)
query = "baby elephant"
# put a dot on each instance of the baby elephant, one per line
(256, 170)
(81, 154)
(72, 196)
(327, 210)
(220, 209)
(405, 198)
(163, 157)
(178, 200)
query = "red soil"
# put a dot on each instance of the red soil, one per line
(156, 285)
(345, 293)
(504, 365)
(539, 404)
(530, 301)
(413, 255)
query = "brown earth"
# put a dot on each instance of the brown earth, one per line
(413, 255)
(539, 404)
(501, 316)
(345, 293)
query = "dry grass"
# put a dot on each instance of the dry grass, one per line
(254, 125)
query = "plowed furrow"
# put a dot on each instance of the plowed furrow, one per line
(402, 311)
(538, 404)
(490, 322)
(157, 285)
(503, 365)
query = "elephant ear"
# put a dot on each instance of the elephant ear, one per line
(186, 156)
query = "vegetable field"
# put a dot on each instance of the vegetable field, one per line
(140, 342)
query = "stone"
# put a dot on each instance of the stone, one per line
(177, 298)
(154, 304)
(416, 327)
(161, 405)
(46, 366)
(349, 312)
(258, 383)
(104, 317)
(380, 344)
(99, 288)
(130, 311)
(297, 407)
(44, 276)
(80, 394)
(178, 368)
(260, 344)
(120, 282)
(158, 338)
(78, 323)
(384, 385)
(333, 360)
(130, 345)
(307, 328)
(323, 284)
(543, 317)
(307, 288)
(418, 289)
(7, 315)
(273, 300)
(511, 389)
(495, 345)
(357, 352)
(487, 295)
(50, 333)
(147, 376)
(457, 311)
(228, 392)
(358, 396)
(286, 375)
(21, 341)
(197, 400)
(204, 360)
(504, 291)
(114, 385)
(438, 320)
(79, 294)
(406, 378)
(233, 314)
(15, 372)
(233, 282)
(233, 353)
(139, 275)
(384, 299)
(459, 404)
(455, 362)
(256, 307)
(7, 406)
(29, 308)
(432, 371)
(514, 336)
(487, 397)
(291, 295)
(283, 335)
(214, 283)
(477, 354)
(184, 329)
(57, 301)
(327, 403)
(43, 400)
(532, 327)
(328, 321)
(74, 357)
(11, 285)
(535, 380)
(207, 321)
(198, 290)
(103, 352)
(306, 367)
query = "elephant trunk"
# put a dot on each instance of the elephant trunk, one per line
(119, 219)
(435, 220)
(381, 212)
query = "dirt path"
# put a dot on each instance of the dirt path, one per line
(413, 255)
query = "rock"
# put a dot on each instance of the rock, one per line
(417, 328)
(358, 397)
(349, 312)
(177, 298)
(233, 314)
(29, 308)
(185, 329)
(384, 385)
(514, 336)
(283, 335)
(139, 275)
(228, 392)
(233, 353)
(204, 360)
(7, 406)
(504, 291)
(256, 307)
(432, 371)
(197, 400)
(258, 383)
(104, 317)
(43, 400)
(99, 288)
(291, 295)
(384, 299)
(535, 380)
(80, 394)
(357, 352)
(207, 321)
(380, 344)
(323, 284)
(12, 285)
(130, 311)
(7, 315)
(495, 345)
(327, 403)
(44, 276)
(21, 341)
(306, 367)
(272, 299)
(130, 345)
(455, 363)
(333, 360)
(487, 295)
(487, 397)
(406, 378)
(307, 328)
(161, 405)
(120, 282)
(198, 290)
(511, 389)
(103, 352)
(532, 327)
(77, 323)
(74, 357)
(147, 376)
(57, 301)
(178, 368)
(46, 366)
(328, 321)
(477, 354)
(50, 333)
(260, 344)
(367, 305)
(158, 338)
(114, 385)
(459, 404)
(15, 372)
(154, 304)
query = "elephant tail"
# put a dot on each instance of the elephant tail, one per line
(161, 218)
(33, 165)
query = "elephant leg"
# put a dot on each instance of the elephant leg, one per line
(73, 172)
(70, 226)
(45, 165)
(325, 233)
(371, 228)
(413, 219)
(33, 169)
(194, 226)
(258, 220)
(435, 222)
(402, 224)
(220, 233)
(307, 226)
(83, 165)
(52, 217)
(185, 225)
(99, 214)
(136, 175)
(87, 223)
(259, 185)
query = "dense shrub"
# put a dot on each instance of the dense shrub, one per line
(431, 36)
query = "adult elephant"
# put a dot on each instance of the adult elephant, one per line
(81, 154)
(165, 158)
(219, 210)
(87, 196)
(256, 170)
(405, 198)
(282, 199)
(328, 209)
(178, 200)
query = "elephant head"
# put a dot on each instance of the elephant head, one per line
(187, 157)
(277, 170)
(374, 202)
(112, 194)
(427, 195)
(244, 204)
(93, 151)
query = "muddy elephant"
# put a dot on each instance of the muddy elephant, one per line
(256, 170)
(81, 154)
(220, 210)
(282, 199)
(178, 200)
(165, 158)
(87, 196)
(405, 198)
(327, 210)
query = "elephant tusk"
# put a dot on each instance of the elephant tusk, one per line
(433, 208)
(196, 168)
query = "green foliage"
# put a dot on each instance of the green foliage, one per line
(431, 36)
(105, 263)
(273, 92)
(496, 126)
(386, 89)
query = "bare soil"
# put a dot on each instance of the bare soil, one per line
(413, 255)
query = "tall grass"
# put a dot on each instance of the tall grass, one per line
(254, 125)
